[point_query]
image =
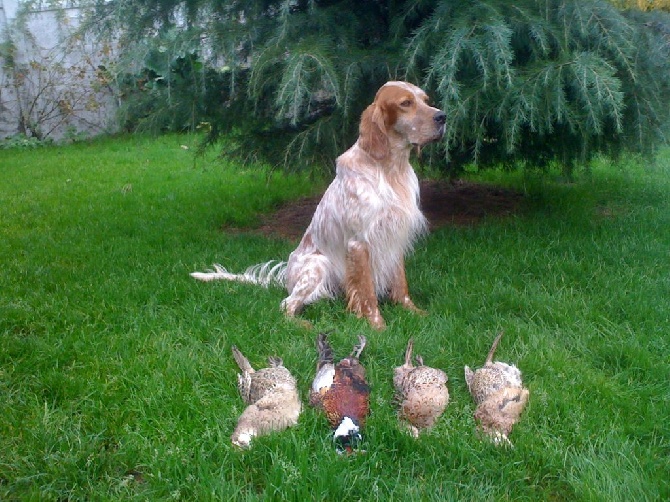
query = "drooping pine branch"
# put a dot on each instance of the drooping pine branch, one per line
(541, 80)
(531, 79)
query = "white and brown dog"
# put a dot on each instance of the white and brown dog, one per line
(368, 218)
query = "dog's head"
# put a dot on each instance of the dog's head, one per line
(399, 117)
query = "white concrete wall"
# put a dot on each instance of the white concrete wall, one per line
(55, 86)
(8, 9)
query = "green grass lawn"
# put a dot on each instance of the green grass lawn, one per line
(117, 381)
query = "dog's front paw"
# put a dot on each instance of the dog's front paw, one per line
(409, 305)
(376, 321)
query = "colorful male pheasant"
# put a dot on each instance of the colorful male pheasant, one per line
(341, 391)
(422, 392)
(272, 396)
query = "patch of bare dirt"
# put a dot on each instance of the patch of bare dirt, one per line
(459, 203)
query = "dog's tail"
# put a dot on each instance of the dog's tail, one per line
(263, 274)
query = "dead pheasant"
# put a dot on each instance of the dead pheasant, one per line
(422, 392)
(499, 395)
(272, 396)
(341, 391)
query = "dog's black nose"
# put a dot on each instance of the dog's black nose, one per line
(440, 117)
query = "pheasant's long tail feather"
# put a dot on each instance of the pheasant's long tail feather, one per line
(356, 353)
(408, 352)
(241, 361)
(489, 357)
(275, 361)
(325, 351)
(263, 274)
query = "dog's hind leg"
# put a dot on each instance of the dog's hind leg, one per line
(311, 284)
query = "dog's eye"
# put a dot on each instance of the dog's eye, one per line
(406, 103)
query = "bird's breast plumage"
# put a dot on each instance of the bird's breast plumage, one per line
(347, 395)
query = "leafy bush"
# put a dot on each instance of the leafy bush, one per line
(21, 141)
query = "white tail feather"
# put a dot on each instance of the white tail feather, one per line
(263, 274)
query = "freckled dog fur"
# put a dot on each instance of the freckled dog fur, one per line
(367, 220)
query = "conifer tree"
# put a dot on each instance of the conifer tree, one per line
(536, 80)
(543, 80)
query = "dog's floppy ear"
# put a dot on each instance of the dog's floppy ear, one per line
(372, 133)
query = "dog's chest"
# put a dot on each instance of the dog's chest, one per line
(377, 206)
(394, 208)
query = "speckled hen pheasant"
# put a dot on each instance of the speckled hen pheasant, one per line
(421, 391)
(499, 395)
(341, 391)
(272, 396)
